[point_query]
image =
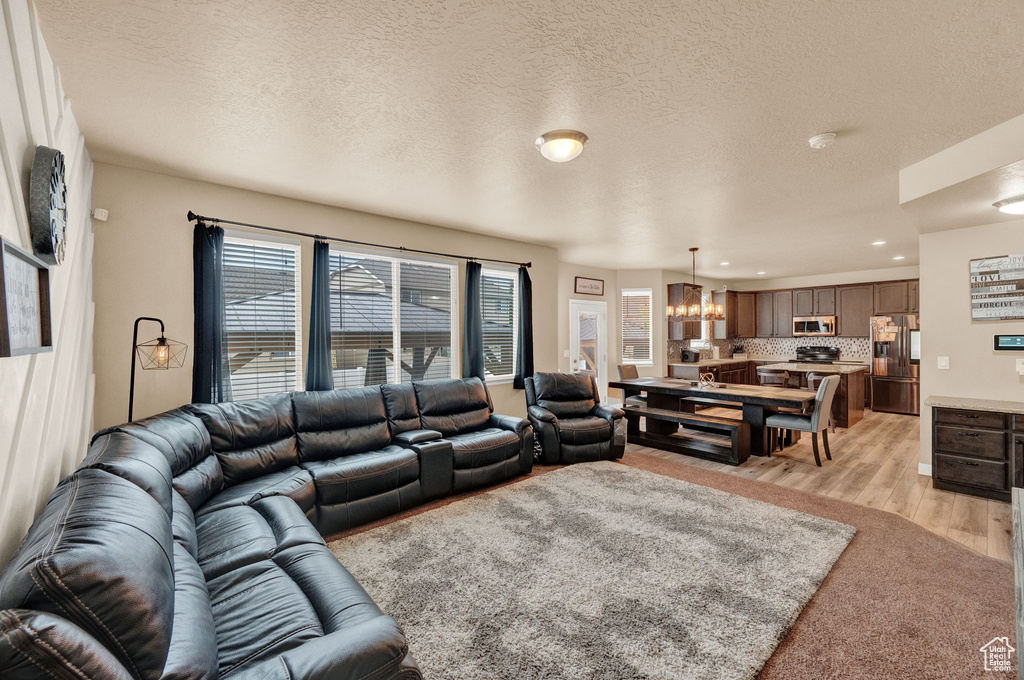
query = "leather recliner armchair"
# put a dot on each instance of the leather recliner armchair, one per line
(569, 420)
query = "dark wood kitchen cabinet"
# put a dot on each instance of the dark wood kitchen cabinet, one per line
(854, 305)
(803, 302)
(912, 291)
(892, 297)
(723, 330)
(746, 315)
(783, 308)
(814, 302)
(765, 315)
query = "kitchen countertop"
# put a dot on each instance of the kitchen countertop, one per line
(711, 362)
(818, 368)
(787, 359)
(976, 404)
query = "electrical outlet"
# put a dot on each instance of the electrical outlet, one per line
(1020, 366)
(944, 363)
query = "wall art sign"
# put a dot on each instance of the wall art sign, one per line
(24, 302)
(585, 286)
(997, 288)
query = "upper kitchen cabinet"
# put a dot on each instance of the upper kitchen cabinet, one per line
(814, 302)
(765, 315)
(854, 311)
(915, 303)
(892, 297)
(729, 328)
(746, 315)
(783, 304)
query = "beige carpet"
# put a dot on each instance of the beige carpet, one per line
(900, 602)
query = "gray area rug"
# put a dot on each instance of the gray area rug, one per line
(596, 571)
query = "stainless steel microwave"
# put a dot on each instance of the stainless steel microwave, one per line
(814, 325)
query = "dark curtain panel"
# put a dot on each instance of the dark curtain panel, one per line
(472, 331)
(319, 375)
(524, 357)
(211, 381)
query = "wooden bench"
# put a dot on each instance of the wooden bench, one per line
(737, 451)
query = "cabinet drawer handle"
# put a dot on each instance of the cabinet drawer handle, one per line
(967, 462)
(968, 434)
(966, 415)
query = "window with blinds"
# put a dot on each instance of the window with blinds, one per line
(391, 319)
(499, 301)
(262, 321)
(637, 342)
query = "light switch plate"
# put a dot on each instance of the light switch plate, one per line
(944, 363)
(1020, 366)
(565, 353)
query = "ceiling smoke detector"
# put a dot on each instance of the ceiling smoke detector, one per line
(823, 140)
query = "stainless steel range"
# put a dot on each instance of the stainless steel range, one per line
(817, 354)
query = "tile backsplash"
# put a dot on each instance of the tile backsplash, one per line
(849, 348)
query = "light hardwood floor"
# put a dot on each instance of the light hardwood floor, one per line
(875, 464)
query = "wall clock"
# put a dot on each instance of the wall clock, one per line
(47, 205)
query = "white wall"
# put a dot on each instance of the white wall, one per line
(975, 370)
(46, 403)
(144, 254)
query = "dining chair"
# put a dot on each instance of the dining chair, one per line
(814, 422)
(629, 372)
(813, 381)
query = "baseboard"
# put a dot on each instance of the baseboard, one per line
(924, 469)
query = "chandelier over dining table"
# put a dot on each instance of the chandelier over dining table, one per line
(695, 306)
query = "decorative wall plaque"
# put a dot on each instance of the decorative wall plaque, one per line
(47, 205)
(585, 286)
(24, 302)
(997, 288)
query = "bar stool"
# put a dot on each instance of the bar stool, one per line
(773, 377)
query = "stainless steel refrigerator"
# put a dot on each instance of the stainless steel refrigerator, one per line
(896, 364)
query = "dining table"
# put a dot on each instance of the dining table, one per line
(756, 402)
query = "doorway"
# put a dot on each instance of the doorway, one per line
(588, 340)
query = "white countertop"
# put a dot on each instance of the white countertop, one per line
(969, 404)
(818, 368)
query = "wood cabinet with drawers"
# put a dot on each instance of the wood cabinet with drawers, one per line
(977, 452)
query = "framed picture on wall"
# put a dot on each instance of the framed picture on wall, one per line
(997, 288)
(585, 286)
(24, 302)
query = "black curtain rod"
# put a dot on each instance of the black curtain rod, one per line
(192, 217)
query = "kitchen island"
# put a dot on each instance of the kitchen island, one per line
(848, 407)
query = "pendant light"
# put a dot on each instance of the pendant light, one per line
(695, 307)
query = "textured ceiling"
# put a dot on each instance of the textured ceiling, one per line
(698, 113)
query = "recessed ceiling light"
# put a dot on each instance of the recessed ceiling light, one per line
(761, 273)
(724, 264)
(898, 257)
(1011, 206)
(561, 145)
(823, 140)
(878, 243)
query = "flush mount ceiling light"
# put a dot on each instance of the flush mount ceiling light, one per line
(561, 145)
(823, 140)
(878, 243)
(898, 257)
(761, 273)
(1011, 206)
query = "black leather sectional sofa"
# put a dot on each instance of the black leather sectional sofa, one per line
(188, 545)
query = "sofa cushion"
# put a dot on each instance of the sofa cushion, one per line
(400, 405)
(364, 474)
(484, 447)
(178, 434)
(200, 483)
(567, 395)
(192, 654)
(252, 437)
(338, 423)
(453, 406)
(183, 524)
(588, 430)
(134, 460)
(100, 555)
(293, 482)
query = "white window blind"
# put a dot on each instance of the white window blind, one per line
(499, 302)
(262, 321)
(379, 304)
(636, 326)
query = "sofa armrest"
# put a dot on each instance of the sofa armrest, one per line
(609, 413)
(407, 439)
(437, 462)
(510, 423)
(372, 649)
(540, 414)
